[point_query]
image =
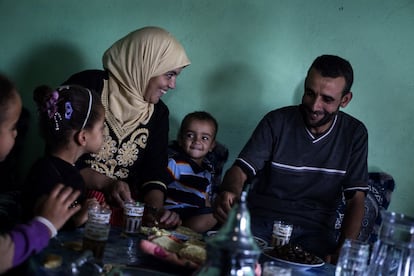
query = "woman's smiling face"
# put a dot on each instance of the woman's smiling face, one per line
(158, 86)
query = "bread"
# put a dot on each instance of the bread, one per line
(195, 242)
(193, 253)
(154, 231)
(52, 261)
(191, 234)
(168, 243)
(192, 249)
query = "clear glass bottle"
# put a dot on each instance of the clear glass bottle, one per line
(233, 250)
(393, 252)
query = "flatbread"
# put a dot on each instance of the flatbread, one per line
(185, 244)
(154, 231)
(193, 253)
(190, 233)
(195, 242)
(52, 261)
(168, 243)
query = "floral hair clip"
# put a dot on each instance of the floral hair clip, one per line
(51, 104)
(57, 117)
(52, 109)
(68, 110)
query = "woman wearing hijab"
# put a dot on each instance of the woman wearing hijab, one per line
(138, 69)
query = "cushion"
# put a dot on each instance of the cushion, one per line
(381, 185)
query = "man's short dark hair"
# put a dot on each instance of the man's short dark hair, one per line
(333, 67)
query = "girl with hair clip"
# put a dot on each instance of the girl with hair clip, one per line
(23, 240)
(71, 121)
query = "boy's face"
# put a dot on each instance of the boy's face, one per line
(198, 139)
(8, 131)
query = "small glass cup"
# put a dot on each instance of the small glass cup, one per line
(133, 212)
(272, 268)
(281, 233)
(96, 231)
(353, 258)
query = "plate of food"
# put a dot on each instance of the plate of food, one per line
(188, 254)
(181, 246)
(293, 255)
(260, 242)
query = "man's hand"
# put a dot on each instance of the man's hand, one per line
(160, 217)
(59, 206)
(223, 204)
(232, 187)
(118, 192)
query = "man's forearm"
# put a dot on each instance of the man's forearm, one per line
(233, 180)
(354, 213)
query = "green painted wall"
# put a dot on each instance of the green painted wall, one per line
(248, 57)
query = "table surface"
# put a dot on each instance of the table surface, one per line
(124, 251)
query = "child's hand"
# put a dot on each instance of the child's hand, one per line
(58, 206)
(81, 217)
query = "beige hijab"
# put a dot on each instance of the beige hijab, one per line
(132, 61)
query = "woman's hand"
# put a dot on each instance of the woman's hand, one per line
(118, 192)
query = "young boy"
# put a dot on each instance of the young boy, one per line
(189, 191)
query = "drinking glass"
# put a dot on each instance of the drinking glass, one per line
(133, 212)
(281, 233)
(353, 258)
(96, 231)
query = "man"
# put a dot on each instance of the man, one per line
(303, 157)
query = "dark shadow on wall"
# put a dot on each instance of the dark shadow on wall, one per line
(232, 93)
(298, 93)
(175, 126)
(49, 64)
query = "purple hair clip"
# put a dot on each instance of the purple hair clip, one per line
(68, 110)
(51, 104)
